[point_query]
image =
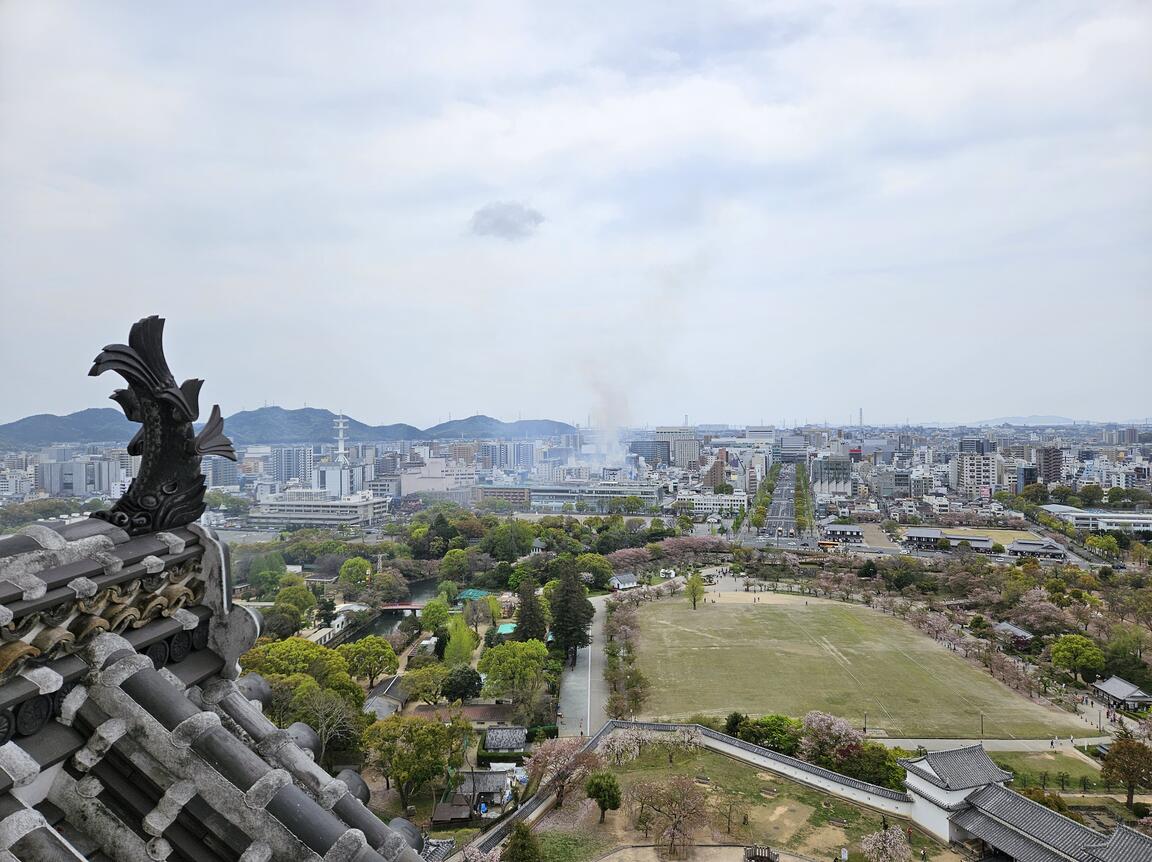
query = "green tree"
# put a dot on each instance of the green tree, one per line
(462, 683)
(426, 683)
(1129, 763)
(434, 615)
(522, 846)
(631, 504)
(530, 621)
(283, 621)
(694, 588)
(733, 721)
(300, 598)
(603, 788)
(597, 566)
(369, 658)
(1078, 654)
(454, 565)
(1035, 493)
(1091, 495)
(777, 732)
(1105, 544)
(410, 751)
(571, 613)
(722, 488)
(875, 764)
(515, 669)
(356, 573)
(461, 642)
(300, 656)
(1117, 495)
(325, 611)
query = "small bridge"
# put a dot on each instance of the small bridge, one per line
(403, 606)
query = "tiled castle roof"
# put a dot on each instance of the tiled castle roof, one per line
(957, 768)
(123, 732)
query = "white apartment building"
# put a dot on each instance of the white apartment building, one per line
(15, 483)
(682, 442)
(975, 474)
(714, 504)
(1091, 519)
(307, 507)
(685, 453)
(438, 475)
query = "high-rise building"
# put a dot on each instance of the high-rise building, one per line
(793, 449)
(1050, 462)
(292, 462)
(221, 472)
(686, 453)
(1026, 474)
(832, 475)
(494, 456)
(654, 452)
(523, 455)
(975, 474)
(683, 446)
(79, 477)
(977, 446)
(465, 452)
(714, 474)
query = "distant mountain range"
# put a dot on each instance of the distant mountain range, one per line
(1031, 421)
(266, 425)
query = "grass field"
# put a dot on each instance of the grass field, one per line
(1030, 767)
(785, 656)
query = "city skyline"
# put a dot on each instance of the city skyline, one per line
(635, 212)
(588, 421)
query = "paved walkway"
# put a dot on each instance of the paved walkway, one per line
(583, 691)
(990, 744)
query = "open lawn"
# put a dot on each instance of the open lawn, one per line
(790, 656)
(1043, 768)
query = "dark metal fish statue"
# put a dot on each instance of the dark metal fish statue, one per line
(169, 489)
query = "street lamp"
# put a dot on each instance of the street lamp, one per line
(981, 725)
(865, 723)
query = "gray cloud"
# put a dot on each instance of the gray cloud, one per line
(506, 220)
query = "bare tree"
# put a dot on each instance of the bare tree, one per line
(327, 713)
(680, 807)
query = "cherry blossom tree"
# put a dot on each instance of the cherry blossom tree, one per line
(475, 854)
(888, 845)
(562, 764)
(826, 738)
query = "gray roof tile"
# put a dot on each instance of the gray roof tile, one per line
(957, 768)
(507, 738)
(1124, 845)
(1120, 688)
(1020, 847)
(1035, 820)
(481, 781)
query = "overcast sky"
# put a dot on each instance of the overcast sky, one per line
(738, 211)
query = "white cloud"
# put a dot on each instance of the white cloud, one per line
(841, 185)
